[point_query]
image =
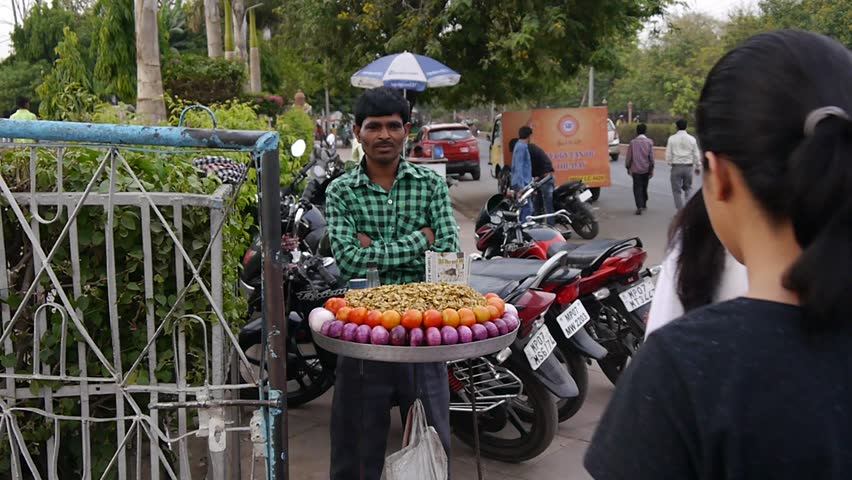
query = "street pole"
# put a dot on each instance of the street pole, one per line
(327, 110)
(591, 86)
(274, 311)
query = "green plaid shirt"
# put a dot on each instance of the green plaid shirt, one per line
(419, 198)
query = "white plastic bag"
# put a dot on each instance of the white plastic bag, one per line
(422, 455)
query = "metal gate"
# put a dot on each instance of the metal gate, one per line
(71, 386)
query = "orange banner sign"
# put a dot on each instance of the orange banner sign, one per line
(575, 139)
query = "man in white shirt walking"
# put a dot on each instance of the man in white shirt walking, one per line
(684, 158)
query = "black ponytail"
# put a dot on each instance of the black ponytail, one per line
(701, 261)
(821, 186)
(779, 107)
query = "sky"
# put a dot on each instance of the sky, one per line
(717, 8)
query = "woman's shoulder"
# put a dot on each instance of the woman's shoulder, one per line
(728, 324)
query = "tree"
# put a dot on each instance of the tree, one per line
(254, 55)
(212, 19)
(20, 78)
(150, 103)
(36, 38)
(66, 91)
(667, 74)
(239, 12)
(504, 52)
(229, 30)
(115, 70)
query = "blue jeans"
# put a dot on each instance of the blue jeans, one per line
(544, 200)
(526, 211)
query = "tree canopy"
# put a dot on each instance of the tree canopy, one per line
(505, 51)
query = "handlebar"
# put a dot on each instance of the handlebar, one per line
(533, 219)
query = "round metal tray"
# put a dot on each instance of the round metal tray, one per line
(422, 354)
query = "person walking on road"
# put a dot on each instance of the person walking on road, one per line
(640, 166)
(542, 169)
(522, 167)
(684, 158)
(386, 212)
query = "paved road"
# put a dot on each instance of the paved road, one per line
(563, 460)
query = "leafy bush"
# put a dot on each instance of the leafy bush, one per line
(157, 172)
(203, 80)
(658, 132)
(20, 78)
(270, 105)
(296, 124)
(66, 93)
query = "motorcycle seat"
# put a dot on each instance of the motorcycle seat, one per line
(506, 268)
(497, 285)
(568, 188)
(502, 275)
(583, 255)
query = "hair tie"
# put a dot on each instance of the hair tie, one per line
(821, 114)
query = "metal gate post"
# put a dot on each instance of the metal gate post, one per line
(273, 308)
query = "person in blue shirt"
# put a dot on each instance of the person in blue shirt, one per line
(522, 166)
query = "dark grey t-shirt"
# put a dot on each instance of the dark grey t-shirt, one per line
(731, 391)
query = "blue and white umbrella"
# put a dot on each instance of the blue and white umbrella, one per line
(405, 71)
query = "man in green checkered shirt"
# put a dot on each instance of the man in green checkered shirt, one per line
(388, 212)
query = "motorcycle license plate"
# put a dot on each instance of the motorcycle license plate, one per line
(539, 348)
(464, 149)
(573, 318)
(586, 195)
(637, 296)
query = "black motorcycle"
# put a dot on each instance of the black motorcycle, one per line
(573, 197)
(324, 167)
(311, 276)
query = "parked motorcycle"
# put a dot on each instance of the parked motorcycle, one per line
(515, 388)
(312, 277)
(614, 290)
(324, 166)
(573, 197)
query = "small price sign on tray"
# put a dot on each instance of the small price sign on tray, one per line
(451, 267)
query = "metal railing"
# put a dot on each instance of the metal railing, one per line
(58, 286)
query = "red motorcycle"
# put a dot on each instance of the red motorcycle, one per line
(615, 290)
(515, 388)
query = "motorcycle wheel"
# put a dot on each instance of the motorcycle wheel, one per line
(584, 222)
(566, 407)
(621, 347)
(310, 372)
(576, 365)
(530, 439)
(503, 180)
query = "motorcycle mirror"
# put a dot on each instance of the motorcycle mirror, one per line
(318, 171)
(330, 139)
(297, 149)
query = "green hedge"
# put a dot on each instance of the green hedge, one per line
(658, 132)
(203, 80)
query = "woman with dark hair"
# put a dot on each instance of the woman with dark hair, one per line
(697, 271)
(758, 386)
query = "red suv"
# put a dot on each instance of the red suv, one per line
(461, 148)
